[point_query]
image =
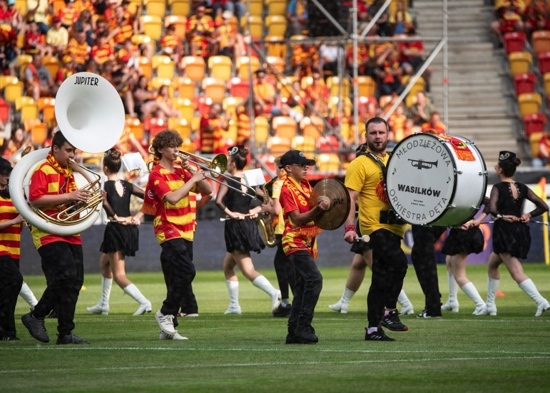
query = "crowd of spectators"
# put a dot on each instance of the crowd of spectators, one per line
(300, 82)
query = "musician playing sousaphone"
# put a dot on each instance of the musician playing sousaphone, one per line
(53, 185)
(300, 244)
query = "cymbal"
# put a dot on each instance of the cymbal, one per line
(340, 202)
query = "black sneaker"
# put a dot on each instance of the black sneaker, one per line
(10, 338)
(306, 335)
(282, 311)
(378, 335)
(425, 314)
(36, 327)
(392, 322)
(70, 339)
(291, 339)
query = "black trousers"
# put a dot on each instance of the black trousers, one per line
(179, 272)
(389, 268)
(283, 269)
(63, 266)
(10, 286)
(189, 303)
(308, 284)
(425, 266)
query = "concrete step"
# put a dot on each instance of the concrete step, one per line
(485, 124)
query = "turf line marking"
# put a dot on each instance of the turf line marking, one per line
(271, 364)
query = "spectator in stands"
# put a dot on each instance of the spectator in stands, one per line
(68, 14)
(85, 18)
(57, 37)
(37, 10)
(409, 128)
(19, 140)
(363, 60)
(244, 120)
(144, 99)
(9, 15)
(397, 122)
(297, 17)
(66, 69)
(383, 27)
(508, 19)
(164, 102)
(210, 130)
(170, 45)
(543, 158)
(400, 19)
(536, 17)
(318, 95)
(199, 31)
(264, 91)
(329, 53)
(102, 51)
(38, 80)
(123, 82)
(78, 48)
(412, 57)
(35, 41)
(226, 38)
(434, 125)
(421, 110)
(388, 73)
(121, 27)
(305, 58)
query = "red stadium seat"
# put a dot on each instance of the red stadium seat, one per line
(239, 87)
(514, 42)
(544, 62)
(525, 83)
(533, 123)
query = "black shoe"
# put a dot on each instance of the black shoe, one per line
(306, 335)
(378, 335)
(426, 314)
(282, 311)
(291, 339)
(392, 322)
(9, 338)
(36, 327)
(70, 339)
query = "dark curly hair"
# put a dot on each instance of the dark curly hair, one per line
(112, 160)
(164, 139)
(509, 166)
(239, 155)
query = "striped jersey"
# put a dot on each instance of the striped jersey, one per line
(10, 237)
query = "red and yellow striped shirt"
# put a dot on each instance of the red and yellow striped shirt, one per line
(77, 51)
(171, 221)
(10, 237)
(47, 181)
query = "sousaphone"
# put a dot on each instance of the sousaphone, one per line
(340, 202)
(90, 113)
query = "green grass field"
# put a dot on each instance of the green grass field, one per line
(230, 353)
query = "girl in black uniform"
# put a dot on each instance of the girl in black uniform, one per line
(121, 237)
(511, 235)
(241, 233)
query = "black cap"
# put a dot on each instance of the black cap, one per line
(295, 157)
(506, 155)
(5, 166)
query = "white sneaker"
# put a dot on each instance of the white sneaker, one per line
(275, 300)
(490, 309)
(166, 323)
(407, 309)
(233, 310)
(175, 337)
(480, 310)
(143, 308)
(97, 309)
(341, 307)
(545, 306)
(451, 305)
(190, 315)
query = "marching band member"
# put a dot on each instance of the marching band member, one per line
(167, 198)
(241, 234)
(300, 245)
(121, 238)
(53, 184)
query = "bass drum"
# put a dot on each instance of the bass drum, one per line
(437, 180)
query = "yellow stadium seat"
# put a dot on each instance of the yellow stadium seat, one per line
(26, 107)
(230, 104)
(261, 130)
(38, 130)
(21, 5)
(275, 46)
(284, 127)
(46, 108)
(179, 22)
(155, 7)
(312, 126)
(534, 140)
(336, 88)
(139, 39)
(275, 24)
(520, 62)
(52, 64)
(254, 25)
(214, 89)
(244, 63)
(181, 126)
(277, 63)
(7, 79)
(145, 66)
(136, 127)
(164, 66)
(220, 67)
(277, 145)
(366, 86)
(152, 26)
(333, 105)
(13, 90)
(276, 7)
(186, 108)
(305, 144)
(328, 162)
(529, 103)
(184, 86)
(180, 7)
(256, 7)
(194, 67)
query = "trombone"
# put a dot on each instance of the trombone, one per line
(216, 167)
